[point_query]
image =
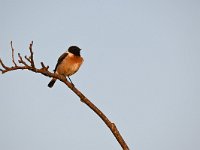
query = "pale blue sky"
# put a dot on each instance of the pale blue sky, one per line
(141, 69)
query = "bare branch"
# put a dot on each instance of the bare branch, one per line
(2, 64)
(44, 67)
(21, 60)
(44, 71)
(13, 58)
(31, 57)
(28, 59)
(2, 71)
(42, 64)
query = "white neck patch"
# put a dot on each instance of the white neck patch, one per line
(70, 54)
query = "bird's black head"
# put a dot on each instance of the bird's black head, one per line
(74, 50)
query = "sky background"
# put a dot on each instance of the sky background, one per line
(141, 68)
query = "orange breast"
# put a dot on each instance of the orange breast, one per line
(70, 65)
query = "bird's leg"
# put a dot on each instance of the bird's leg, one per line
(71, 81)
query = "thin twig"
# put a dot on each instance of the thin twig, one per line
(44, 67)
(13, 58)
(2, 64)
(42, 64)
(28, 59)
(31, 57)
(21, 60)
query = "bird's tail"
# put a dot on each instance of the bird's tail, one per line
(51, 83)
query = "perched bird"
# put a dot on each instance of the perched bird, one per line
(68, 63)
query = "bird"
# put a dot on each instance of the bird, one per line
(68, 64)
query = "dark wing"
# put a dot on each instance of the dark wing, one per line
(60, 59)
